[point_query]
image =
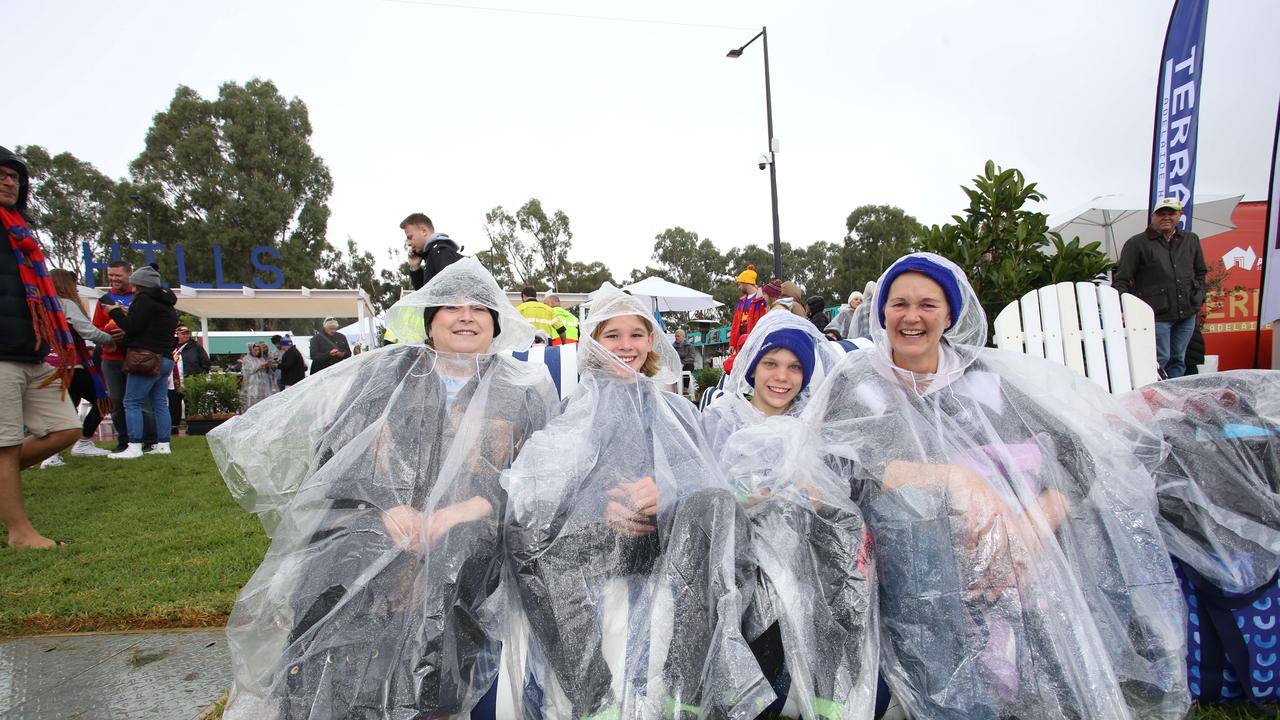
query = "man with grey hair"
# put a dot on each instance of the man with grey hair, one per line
(328, 346)
(569, 319)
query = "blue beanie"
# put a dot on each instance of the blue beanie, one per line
(797, 341)
(927, 267)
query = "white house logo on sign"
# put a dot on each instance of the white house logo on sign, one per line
(1241, 257)
(1176, 162)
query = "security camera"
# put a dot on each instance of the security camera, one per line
(764, 161)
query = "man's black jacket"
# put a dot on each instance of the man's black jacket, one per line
(1168, 276)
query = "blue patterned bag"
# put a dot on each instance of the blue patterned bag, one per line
(1232, 649)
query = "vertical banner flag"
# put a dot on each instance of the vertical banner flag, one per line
(1173, 158)
(1270, 311)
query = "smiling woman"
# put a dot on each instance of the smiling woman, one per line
(375, 598)
(1021, 573)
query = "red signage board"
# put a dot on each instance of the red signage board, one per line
(1231, 314)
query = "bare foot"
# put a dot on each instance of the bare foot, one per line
(36, 542)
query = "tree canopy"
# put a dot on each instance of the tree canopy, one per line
(237, 171)
(1002, 246)
(68, 200)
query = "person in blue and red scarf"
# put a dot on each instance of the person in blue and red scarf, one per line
(33, 393)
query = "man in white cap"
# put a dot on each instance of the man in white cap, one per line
(328, 346)
(1164, 266)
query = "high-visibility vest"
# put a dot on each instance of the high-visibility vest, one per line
(542, 317)
(570, 324)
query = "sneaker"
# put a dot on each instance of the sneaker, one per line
(160, 449)
(133, 451)
(86, 448)
(148, 447)
(52, 461)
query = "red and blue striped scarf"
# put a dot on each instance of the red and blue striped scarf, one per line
(47, 318)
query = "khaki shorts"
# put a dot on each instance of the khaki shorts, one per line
(23, 403)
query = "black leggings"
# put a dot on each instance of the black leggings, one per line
(823, 551)
(82, 389)
(558, 575)
(408, 641)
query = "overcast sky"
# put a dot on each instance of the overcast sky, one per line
(632, 127)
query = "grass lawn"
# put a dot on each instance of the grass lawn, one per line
(155, 542)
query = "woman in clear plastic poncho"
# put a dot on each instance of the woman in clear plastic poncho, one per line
(1218, 485)
(1021, 574)
(618, 503)
(256, 382)
(379, 595)
(808, 538)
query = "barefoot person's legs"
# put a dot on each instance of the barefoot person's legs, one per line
(47, 414)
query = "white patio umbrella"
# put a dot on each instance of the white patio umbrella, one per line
(670, 297)
(1113, 219)
(366, 333)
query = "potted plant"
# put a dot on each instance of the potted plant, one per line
(211, 399)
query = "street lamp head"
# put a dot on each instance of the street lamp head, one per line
(735, 53)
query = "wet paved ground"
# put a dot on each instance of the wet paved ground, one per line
(171, 675)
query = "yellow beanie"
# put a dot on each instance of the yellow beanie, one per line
(748, 276)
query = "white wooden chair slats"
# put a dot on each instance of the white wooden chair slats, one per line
(1140, 333)
(1091, 329)
(1072, 347)
(1032, 325)
(1095, 353)
(1051, 324)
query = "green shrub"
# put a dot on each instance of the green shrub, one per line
(707, 377)
(211, 394)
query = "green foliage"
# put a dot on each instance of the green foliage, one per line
(237, 171)
(211, 394)
(876, 236)
(585, 277)
(68, 199)
(359, 269)
(153, 542)
(707, 377)
(1005, 249)
(528, 248)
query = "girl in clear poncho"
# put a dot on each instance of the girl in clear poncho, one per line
(618, 502)
(1218, 483)
(256, 382)
(379, 595)
(815, 580)
(1021, 574)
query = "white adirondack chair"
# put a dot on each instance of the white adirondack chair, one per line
(1107, 337)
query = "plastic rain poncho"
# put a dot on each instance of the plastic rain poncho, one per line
(1021, 570)
(379, 596)
(808, 539)
(641, 618)
(860, 323)
(257, 381)
(1218, 486)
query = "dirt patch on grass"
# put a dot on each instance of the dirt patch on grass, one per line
(45, 624)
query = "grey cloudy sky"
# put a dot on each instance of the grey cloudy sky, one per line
(633, 127)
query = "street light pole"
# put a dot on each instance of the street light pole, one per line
(763, 36)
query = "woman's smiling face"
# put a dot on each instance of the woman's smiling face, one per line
(915, 316)
(461, 329)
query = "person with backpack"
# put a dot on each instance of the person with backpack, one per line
(429, 251)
